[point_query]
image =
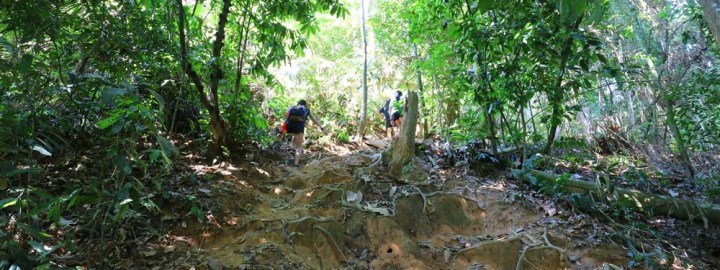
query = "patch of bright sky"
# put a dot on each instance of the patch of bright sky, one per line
(287, 72)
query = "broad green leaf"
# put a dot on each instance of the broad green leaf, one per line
(54, 213)
(35, 233)
(107, 122)
(4, 203)
(578, 7)
(167, 147)
(154, 154)
(158, 97)
(597, 11)
(109, 94)
(197, 212)
(121, 212)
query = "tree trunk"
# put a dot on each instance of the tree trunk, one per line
(363, 110)
(711, 12)
(402, 150)
(648, 203)
(439, 126)
(557, 95)
(490, 122)
(242, 47)
(217, 124)
(421, 92)
(682, 148)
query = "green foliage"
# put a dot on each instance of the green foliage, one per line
(343, 136)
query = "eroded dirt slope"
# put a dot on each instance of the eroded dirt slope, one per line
(344, 212)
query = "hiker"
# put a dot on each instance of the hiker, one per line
(385, 111)
(398, 108)
(296, 119)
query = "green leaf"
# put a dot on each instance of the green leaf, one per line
(485, 5)
(166, 146)
(118, 126)
(35, 233)
(4, 203)
(154, 154)
(109, 94)
(107, 122)
(197, 212)
(578, 7)
(54, 213)
(597, 12)
(158, 97)
(25, 63)
(121, 213)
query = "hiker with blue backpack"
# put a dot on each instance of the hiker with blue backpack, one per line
(296, 118)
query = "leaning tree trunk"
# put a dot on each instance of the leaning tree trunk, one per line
(363, 113)
(220, 130)
(402, 150)
(654, 205)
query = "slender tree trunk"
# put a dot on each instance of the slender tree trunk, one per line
(242, 46)
(524, 134)
(421, 93)
(679, 140)
(584, 116)
(220, 131)
(557, 95)
(439, 126)
(402, 150)
(490, 122)
(631, 112)
(532, 117)
(363, 113)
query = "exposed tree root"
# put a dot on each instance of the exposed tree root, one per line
(482, 244)
(332, 239)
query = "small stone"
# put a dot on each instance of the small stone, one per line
(574, 258)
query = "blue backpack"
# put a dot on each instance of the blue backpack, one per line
(297, 114)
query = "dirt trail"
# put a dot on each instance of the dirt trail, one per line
(344, 212)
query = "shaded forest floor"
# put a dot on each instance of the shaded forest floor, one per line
(341, 210)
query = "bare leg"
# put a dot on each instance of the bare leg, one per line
(298, 139)
(398, 122)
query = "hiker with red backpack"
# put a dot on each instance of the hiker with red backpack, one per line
(295, 121)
